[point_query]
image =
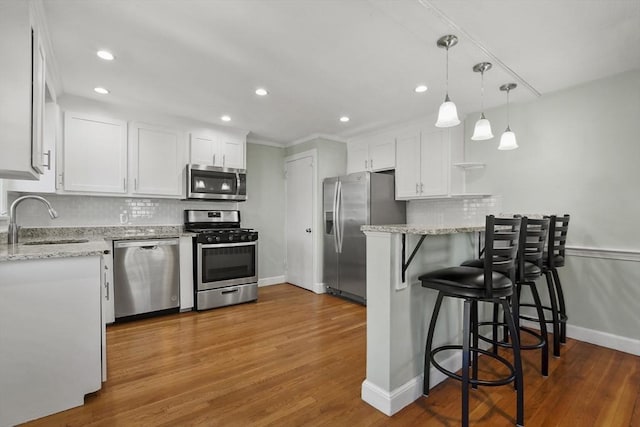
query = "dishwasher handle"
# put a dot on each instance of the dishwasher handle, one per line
(144, 244)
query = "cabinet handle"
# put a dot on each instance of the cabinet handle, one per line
(106, 287)
(61, 179)
(421, 187)
(124, 183)
(224, 159)
(417, 187)
(371, 164)
(48, 154)
(135, 184)
(214, 160)
(365, 164)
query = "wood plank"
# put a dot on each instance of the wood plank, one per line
(295, 358)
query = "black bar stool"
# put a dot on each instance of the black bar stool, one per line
(473, 284)
(552, 259)
(529, 268)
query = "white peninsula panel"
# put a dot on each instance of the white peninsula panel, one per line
(50, 336)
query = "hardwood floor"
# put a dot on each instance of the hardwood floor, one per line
(298, 359)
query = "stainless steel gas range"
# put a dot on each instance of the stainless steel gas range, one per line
(225, 258)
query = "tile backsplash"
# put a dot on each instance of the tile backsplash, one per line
(108, 211)
(452, 211)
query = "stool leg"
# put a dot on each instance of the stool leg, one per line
(474, 343)
(561, 306)
(554, 314)
(517, 362)
(544, 363)
(465, 362)
(495, 328)
(427, 348)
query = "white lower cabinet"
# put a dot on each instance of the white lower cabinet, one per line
(50, 335)
(423, 164)
(94, 154)
(156, 160)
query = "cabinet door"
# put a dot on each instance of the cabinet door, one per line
(3, 201)
(232, 151)
(47, 183)
(156, 160)
(95, 154)
(382, 155)
(37, 101)
(203, 150)
(435, 164)
(408, 165)
(358, 158)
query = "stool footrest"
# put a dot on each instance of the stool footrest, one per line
(474, 381)
(507, 344)
(562, 317)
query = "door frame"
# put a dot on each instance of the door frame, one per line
(317, 286)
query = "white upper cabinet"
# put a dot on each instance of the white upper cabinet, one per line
(217, 149)
(94, 154)
(156, 160)
(233, 152)
(52, 137)
(423, 164)
(22, 86)
(408, 165)
(375, 153)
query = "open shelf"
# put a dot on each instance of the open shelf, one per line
(469, 165)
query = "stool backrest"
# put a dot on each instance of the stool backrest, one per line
(502, 236)
(558, 228)
(532, 240)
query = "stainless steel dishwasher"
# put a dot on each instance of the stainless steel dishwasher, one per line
(146, 277)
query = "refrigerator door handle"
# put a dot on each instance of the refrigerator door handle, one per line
(339, 224)
(335, 216)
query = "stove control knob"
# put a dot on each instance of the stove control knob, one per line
(217, 238)
(243, 237)
(231, 237)
(209, 239)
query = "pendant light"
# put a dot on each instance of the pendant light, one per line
(508, 138)
(448, 113)
(482, 131)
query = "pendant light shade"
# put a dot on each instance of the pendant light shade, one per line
(482, 130)
(448, 113)
(508, 138)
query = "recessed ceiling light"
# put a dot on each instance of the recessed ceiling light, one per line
(261, 92)
(344, 119)
(106, 55)
(225, 118)
(101, 90)
(421, 88)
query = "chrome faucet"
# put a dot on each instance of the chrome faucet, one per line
(12, 232)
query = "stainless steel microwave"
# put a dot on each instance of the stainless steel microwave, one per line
(215, 183)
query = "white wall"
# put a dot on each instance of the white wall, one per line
(579, 154)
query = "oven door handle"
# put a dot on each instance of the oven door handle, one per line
(225, 245)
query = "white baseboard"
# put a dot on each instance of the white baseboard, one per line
(319, 288)
(268, 281)
(391, 402)
(603, 339)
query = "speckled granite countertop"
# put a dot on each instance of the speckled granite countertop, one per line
(421, 229)
(78, 241)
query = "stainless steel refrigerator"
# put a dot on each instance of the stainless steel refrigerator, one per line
(350, 201)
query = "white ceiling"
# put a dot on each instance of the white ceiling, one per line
(323, 59)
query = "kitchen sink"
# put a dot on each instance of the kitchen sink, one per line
(56, 242)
